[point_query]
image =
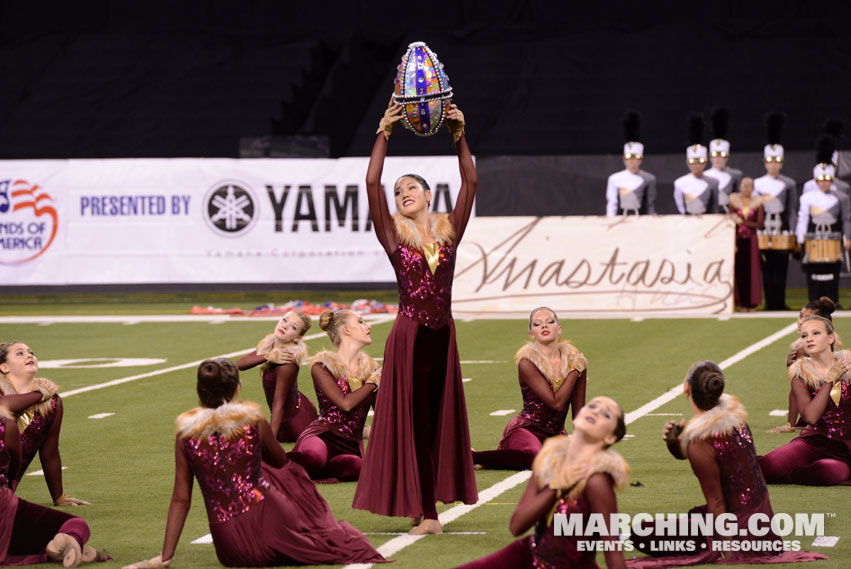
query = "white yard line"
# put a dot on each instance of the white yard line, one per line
(128, 379)
(396, 544)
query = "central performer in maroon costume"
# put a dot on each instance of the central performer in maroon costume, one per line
(418, 454)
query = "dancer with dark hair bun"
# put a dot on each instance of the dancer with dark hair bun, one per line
(419, 446)
(39, 411)
(820, 455)
(331, 447)
(263, 509)
(574, 475)
(718, 444)
(281, 354)
(552, 375)
(823, 307)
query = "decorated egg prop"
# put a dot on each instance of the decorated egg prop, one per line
(423, 88)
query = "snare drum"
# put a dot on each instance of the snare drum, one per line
(824, 247)
(776, 241)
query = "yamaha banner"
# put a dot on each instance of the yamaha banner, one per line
(199, 220)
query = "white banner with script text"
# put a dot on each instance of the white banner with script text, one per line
(638, 264)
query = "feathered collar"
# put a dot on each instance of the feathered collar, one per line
(227, 419)
(722, 419)
(756, 201)
(44, 408)
(266, 347)
(408, 234)
(571, 358)
(553, 467)
(805, 369)
(367, 367)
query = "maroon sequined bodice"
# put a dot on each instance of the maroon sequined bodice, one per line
(742, 481)
(228, 472)
(537, 411)
(348, 424)
(550, 551)
(269, 383)
(835, 422)
(5, 459)
(742, 230)
(423, 297)
(33, 437)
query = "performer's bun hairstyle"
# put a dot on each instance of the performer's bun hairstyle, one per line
(706, 381)
(218, 379)
(330, 322)
(823, 307)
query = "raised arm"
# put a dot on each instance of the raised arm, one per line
(469, 177)
(810, 408)
(248, 361)
(534, 504)
(381, 220)
(611, 197)
(285, 377)
(12, 439)
(324, 381)
(19, 403)
(532, 377)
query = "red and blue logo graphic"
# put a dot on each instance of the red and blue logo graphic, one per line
(28, 221)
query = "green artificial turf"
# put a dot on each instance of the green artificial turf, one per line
(123, 463)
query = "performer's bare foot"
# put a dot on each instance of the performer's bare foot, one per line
(415, 521)
(367, 429)
(478, 467)
(427, 527)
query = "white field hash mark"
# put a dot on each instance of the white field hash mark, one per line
(101, 415)
(398, 543)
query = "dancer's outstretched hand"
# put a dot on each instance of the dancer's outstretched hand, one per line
(64, 500)
(672, 430)
(455, 121)
(153, 563)
(393, 114)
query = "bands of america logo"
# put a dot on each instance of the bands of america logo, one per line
(28, 221)
(230, 208)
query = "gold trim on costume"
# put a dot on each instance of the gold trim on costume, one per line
(432, 255)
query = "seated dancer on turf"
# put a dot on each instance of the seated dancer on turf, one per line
(263, 509)
(39, 411)
(719, 445)
(571, 475)
(331, 448)
(30, 533)
(281, 354)
(820, 455)
(552, 375)
(823, 307)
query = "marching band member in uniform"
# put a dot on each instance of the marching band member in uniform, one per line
(631, 190)
(781, 199)
(719, 153)
(694, 193)
(822, 213)
(832, 127)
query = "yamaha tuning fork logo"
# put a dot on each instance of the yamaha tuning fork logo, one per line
(28, 221)
(230, 208)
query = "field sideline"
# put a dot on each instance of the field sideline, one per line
(123, 461)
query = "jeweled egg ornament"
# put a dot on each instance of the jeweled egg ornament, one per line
(423, 88)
